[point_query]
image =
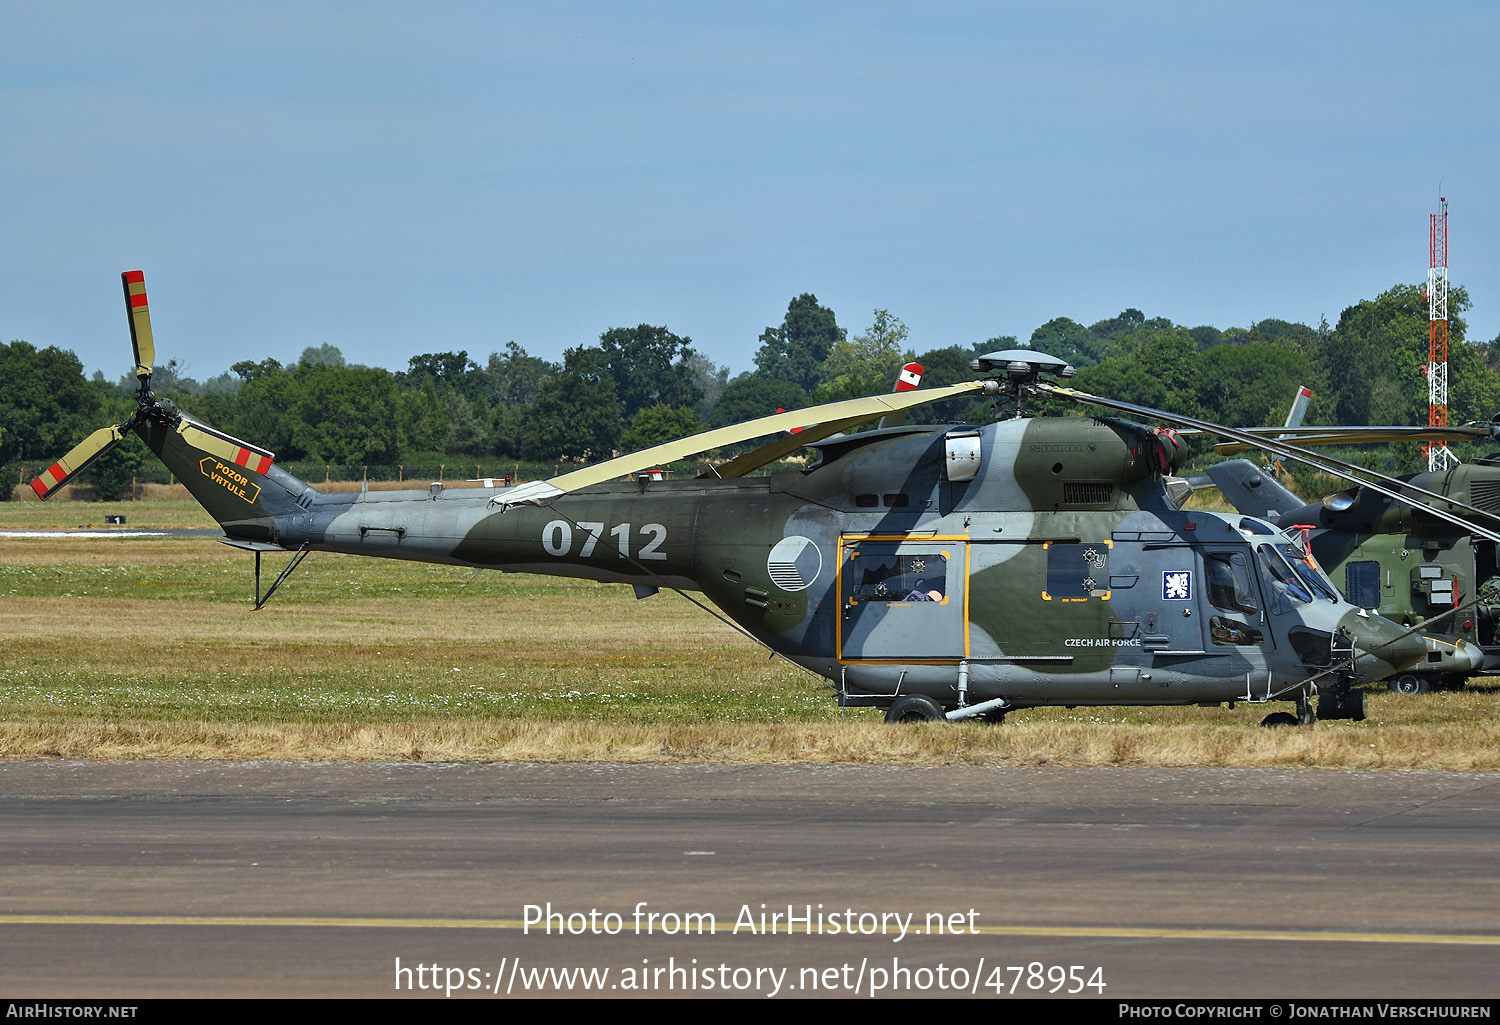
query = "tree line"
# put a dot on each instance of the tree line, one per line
(644, 385)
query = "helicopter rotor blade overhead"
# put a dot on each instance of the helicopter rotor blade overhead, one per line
(909, 379)
(1335, 467)
(78, 458)
(1306, 436)
(825, 420)
(740, 465)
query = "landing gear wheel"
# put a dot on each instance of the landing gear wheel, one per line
(1279, 719)
(993, 718)
(1342, 704)
(914, 708)
(1410, 683)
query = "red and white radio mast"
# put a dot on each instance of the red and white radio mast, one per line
(1438, 456)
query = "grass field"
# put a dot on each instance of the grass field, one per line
(116, 648)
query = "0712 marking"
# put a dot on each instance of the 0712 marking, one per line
(557, 539)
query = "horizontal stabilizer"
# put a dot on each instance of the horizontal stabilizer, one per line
(226, 448)
(253, 546)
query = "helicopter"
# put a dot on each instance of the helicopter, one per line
(1398, 560)
(937, 572)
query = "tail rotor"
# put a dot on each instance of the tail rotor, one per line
(149, 410)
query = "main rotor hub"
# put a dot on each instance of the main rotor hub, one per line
(1015, 371)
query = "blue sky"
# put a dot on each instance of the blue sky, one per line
(399, 178)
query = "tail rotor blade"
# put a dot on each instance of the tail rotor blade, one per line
(140, 322)
(70, 465)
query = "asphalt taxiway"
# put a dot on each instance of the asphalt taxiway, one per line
(149, 879)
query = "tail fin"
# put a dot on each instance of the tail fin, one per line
(1252, 490)
(907, 379)
(1295, 415)
(238, 483)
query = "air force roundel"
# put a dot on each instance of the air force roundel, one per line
(794, 563)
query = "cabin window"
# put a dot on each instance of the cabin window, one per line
(1362, 583)
(1077, 572)
(910, 576)
(1311, 573)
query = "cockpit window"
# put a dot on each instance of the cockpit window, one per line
(1288, 592)
(1314, 580)
(1229, 586)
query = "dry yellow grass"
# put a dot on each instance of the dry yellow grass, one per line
(148, 649)
(1241, 744)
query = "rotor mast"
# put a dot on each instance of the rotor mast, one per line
(1438, 455)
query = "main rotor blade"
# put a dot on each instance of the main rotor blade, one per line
(767, 454)
(1305, 436)
(909, 378)
(832, 416)
(140, 321)
(79, 457)
(1327, 464)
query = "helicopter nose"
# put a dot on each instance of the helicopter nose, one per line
(1386, 648)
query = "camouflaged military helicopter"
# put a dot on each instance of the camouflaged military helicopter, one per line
(938, 572)
(1398, 560)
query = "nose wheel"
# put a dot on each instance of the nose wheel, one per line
(1408, 684)
(1305, 715)
(1342, 702)
(1345, 703)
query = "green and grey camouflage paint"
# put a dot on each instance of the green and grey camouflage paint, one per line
(1064, 572)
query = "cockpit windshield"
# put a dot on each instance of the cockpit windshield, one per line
(1288, 592)
(1315, 580)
